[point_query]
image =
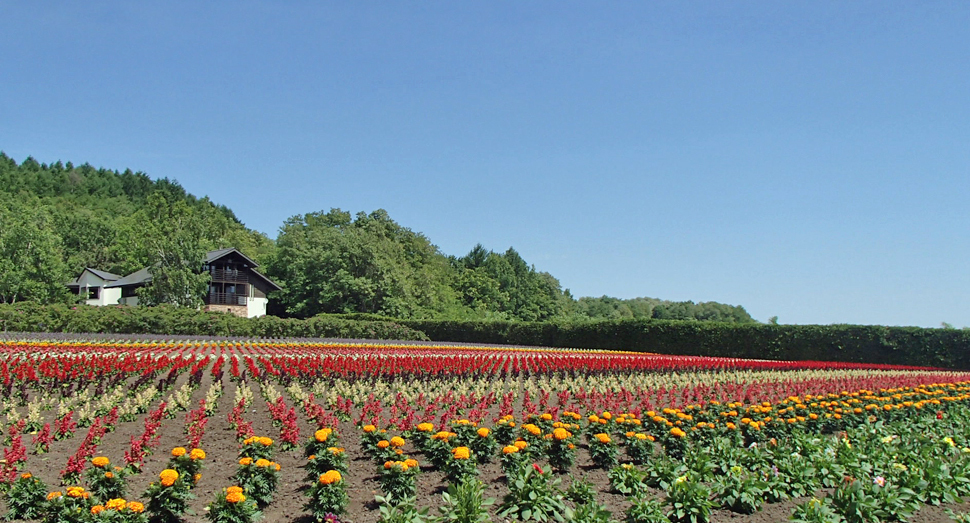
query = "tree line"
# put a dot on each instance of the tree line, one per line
(56, 219)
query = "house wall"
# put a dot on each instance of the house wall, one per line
(105, 296)
(259, 286)
(256, 307)
(238, 310)
(129, 300)
(110, 296)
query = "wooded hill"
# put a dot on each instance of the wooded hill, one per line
(56, 219)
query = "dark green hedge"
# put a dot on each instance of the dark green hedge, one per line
(29, 317)
(948, 348)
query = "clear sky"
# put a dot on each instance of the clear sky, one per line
(809, 160)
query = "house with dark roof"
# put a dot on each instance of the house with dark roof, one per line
(91, 286)
(235, 286)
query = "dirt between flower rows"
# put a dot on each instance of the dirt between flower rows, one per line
(221, 461)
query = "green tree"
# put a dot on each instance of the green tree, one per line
(480, 292)
(330, 262)
(31, 257)
(175, 251)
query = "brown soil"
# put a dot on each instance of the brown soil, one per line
(222, 455)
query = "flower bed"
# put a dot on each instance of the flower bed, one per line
(312, 429)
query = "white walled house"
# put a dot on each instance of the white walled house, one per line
(235, 285)
(91, 286)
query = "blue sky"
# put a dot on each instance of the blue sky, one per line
(809, 160)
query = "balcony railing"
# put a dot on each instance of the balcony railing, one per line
(225, 298)
(229, 275)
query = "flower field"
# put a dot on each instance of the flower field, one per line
(132, 429)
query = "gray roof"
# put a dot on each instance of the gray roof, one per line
(136, 278)
(104, 275)
(212, 256)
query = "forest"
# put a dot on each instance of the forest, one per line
(56, 219)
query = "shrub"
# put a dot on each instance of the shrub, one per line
(232, 506)
(26, 498)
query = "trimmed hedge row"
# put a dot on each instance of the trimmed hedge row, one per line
(949, 348)
(30, 317)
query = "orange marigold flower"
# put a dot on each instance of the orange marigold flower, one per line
(196, 478)
(178, 452)
(383, 444)
(234, 488)
(109, 474)
(561, 434)
(411, 462)
(532, 429)
(546, 417)
(249, 461)
(322, 435)
(235, 497)
(276, 466)
(168, 477)
(329, 477)
(397, 441)
(115, 504)
(136, 507)
(369, 428)
(261, 462)
(521, 444)
(335, 450)
(26, 475)
(602, 437)
(677, 433)
(510, 449)
(53, 495)
(425, 427)
(461, 452)
(97, 509)
(484, 432)
(606, 415)
(197, 454)
(100, 462)
(264, 441)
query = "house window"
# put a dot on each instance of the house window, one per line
(94, 293)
